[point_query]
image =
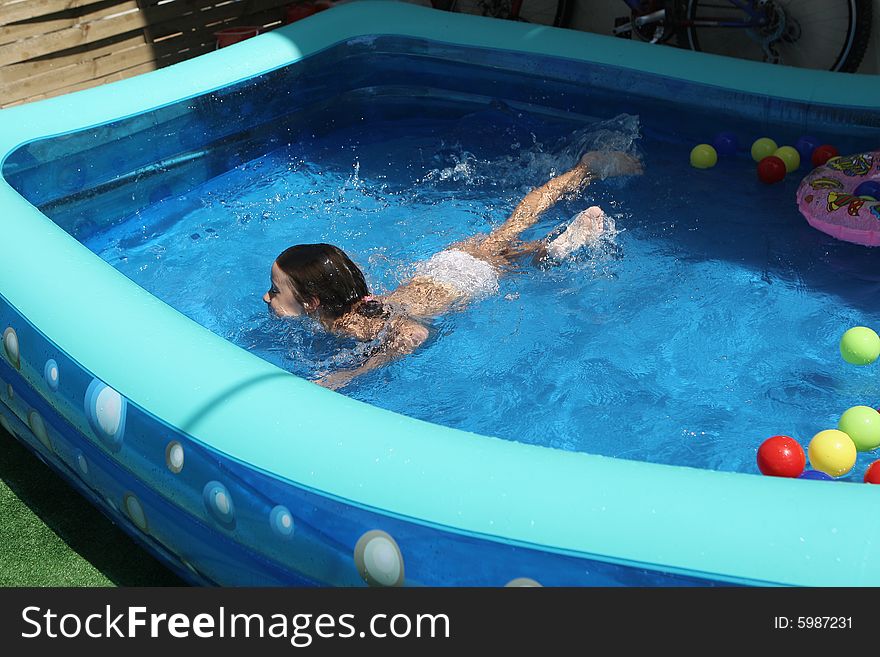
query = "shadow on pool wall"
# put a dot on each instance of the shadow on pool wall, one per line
(634, 523)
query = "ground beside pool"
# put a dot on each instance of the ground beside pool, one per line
(51, 536)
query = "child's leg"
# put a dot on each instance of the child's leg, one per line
(530, 208)
(592, 164)
(586, 227)
(536, 248)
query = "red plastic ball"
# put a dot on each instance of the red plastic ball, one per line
(823, 153)
(771, 169)
(872, 474)
(781, 456)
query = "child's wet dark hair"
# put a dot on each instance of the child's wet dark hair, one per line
(325, 272)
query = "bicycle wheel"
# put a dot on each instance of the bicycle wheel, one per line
(543, 12)
(821, 34)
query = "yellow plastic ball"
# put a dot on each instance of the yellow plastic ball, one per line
(763, 147)
(703, 156)
(790, 156)
(860, 346)
(832, 452)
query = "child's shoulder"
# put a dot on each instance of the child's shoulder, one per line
(395, 328)
(360, 327)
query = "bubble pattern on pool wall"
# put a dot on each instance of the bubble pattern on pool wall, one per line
(271, 532)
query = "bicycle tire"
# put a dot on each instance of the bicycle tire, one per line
(845, 54)
(541, 12)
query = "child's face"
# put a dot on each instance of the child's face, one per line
(280, 297)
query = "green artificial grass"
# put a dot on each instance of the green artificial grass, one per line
(51, 536)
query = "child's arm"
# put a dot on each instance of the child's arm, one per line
(406, 336)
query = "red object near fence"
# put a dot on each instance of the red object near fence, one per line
(230, 35)
(293, 13)
(301, 10)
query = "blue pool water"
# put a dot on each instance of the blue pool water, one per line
(707, 323)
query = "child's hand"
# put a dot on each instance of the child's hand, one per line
(335, 380)
(607, 164)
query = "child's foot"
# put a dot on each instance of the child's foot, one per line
(586, 227)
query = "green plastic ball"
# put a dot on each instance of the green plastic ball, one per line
(790, 156)
(763, 147)
(862, 424)
(703, 156)
(860, 346)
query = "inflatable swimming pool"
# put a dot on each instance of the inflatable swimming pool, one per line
(176, 433)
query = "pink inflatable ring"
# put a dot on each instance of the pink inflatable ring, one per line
(826, 197)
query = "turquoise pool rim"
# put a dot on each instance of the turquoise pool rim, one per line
(728, 526)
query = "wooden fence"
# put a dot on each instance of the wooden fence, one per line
(52, 47)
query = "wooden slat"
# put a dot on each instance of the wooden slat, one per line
(266, 20)
(55, 61)
(66, 19)
(20, 10)
(76, 58)
(121, 75)
(83, 18)
(164, 19)
(160, 54)
(148, 37)
(82, 72)
(218, 17)
(17, 102)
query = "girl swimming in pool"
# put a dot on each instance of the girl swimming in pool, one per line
(319, 280)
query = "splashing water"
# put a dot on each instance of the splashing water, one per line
(617, 134)
(471, 276)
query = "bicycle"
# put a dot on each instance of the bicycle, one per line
(820, 34)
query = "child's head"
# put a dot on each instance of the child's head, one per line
(314, 278)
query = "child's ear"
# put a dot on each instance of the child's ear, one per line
(312, 304)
